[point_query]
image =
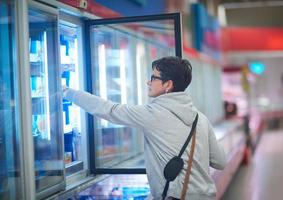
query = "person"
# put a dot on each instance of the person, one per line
(166, 121)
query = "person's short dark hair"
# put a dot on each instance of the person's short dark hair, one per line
(176, 69)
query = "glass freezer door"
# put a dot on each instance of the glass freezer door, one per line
(71, 76)
(11, 174)
(46, 106)
(120, 52)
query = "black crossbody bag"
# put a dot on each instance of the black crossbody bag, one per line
(175, 164)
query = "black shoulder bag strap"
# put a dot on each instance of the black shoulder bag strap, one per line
(175, 165)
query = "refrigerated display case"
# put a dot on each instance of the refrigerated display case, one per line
(113, 56)
(11, 175)
(45, 97)
(122, 187)
(120, 52)
(70, 38)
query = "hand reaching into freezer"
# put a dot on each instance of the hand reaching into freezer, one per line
(64, 90)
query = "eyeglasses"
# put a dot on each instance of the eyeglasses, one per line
(152, 78)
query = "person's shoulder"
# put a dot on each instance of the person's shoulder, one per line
(203, 120)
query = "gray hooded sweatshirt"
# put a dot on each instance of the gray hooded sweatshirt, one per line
(166, 122)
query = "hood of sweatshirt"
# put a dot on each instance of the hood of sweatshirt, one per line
(178, 103)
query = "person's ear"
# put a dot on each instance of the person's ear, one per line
(169, 86)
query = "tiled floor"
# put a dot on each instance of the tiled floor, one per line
(263, 178)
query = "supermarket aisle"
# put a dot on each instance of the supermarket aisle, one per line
(263, 178)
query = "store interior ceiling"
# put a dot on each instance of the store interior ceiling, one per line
(253, 13)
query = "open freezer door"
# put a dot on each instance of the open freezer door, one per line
(119, 53)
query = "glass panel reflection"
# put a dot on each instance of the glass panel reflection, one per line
(122, 56)
(10, 173)
(46, 114)
(69, 36)
(119, 187)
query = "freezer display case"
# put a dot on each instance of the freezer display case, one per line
(45, 96)
(10, 167)
(119, 187)
(115, 142)
(120, 52)
(70, 77)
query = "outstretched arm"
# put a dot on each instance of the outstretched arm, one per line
(136, 116)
